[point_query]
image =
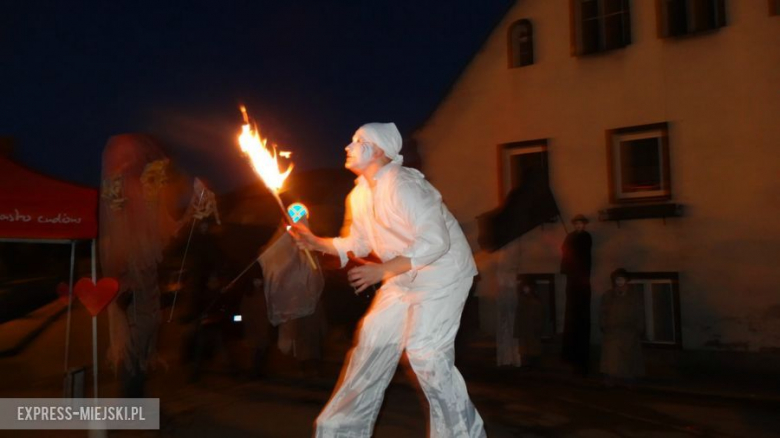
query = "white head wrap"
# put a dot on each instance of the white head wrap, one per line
(386, 136)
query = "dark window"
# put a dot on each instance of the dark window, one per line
(522, 160)
(661, 298)
(521, 44)
(600, 25)
(639, 163)
(523, 181)
(523, 164)
(683, 17)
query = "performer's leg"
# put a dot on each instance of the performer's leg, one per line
(353, 408)
(433, 325)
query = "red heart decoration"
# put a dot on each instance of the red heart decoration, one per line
(96, 297)
(62, 292)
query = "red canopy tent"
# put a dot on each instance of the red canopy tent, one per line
(36, 208)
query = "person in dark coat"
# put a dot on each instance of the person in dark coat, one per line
(576, 265)
(622, 323)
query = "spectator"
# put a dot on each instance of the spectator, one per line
(622, 323)
(576, 264)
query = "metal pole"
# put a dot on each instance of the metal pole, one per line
(181, 268)
(94, 355)
(229, 285)
(70, 302)
(94, 328)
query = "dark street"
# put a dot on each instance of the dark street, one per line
(286, 401)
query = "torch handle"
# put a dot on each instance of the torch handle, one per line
(311, 259)
(291, 223)
(306, 251)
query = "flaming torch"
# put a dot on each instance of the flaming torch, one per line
(264, 162)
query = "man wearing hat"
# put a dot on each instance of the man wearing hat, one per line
(576, 265)
(426, 272)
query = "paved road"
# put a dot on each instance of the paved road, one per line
(286, 406)
(513, 404)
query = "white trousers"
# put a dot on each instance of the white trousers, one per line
(426, 329)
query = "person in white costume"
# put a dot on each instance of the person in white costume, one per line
(427, 270)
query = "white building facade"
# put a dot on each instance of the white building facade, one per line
(659, 121)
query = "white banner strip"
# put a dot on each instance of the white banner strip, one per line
(79, 413)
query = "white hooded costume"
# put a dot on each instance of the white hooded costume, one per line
(418, 311)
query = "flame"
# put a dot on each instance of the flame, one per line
(264, 160)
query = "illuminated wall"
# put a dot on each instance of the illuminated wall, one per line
(719, 92)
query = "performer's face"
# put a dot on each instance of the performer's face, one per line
(620, 282)
(579, 226)
(360, 153)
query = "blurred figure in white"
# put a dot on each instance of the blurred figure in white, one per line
(507, 347)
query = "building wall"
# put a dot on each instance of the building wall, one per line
(720, 94)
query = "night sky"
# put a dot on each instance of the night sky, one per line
(74, 73)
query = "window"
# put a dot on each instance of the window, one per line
(600, 25)
(661, 306)
(522, 181)
(639, 163)
(545, 289)
(521, 44)
(521, 162)
(683, 17)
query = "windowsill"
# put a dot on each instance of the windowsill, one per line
(692, 34)
(596, 53)
(638, 211)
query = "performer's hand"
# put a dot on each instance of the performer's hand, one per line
(304, 238)
(366, 275)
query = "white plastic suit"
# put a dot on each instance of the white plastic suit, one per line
(418, 311)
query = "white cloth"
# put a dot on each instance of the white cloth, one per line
(427, 331)
(507, 346)
(418, 311)
(386, 136)
(404, 215)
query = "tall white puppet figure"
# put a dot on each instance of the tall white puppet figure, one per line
(426, 272)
